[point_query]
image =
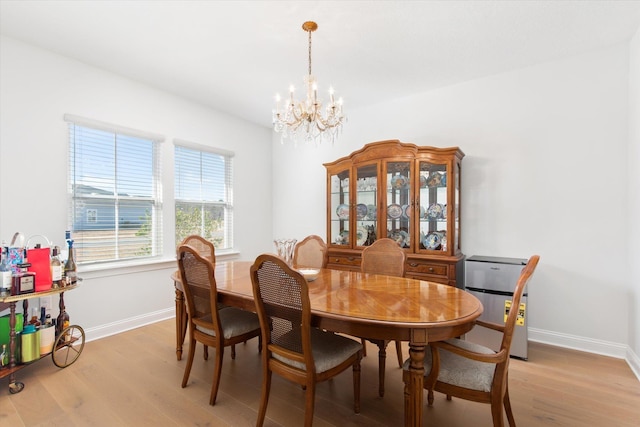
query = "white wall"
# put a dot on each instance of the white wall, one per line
(37, 88)
(545, 172)
(634, 198)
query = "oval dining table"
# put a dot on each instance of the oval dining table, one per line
(361, 304)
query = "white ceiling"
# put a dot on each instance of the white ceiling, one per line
(234, 56)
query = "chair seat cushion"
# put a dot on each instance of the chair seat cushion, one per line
(233, 321)
(460, 371)
(329, 350)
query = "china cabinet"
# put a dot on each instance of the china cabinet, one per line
(402, 191)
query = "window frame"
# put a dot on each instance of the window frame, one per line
(76, 198)
(227, 204)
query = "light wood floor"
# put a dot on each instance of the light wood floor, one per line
(133, 379)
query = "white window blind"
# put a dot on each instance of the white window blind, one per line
(204, 194)
(114, 182)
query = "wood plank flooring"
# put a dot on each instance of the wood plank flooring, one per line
(133, 379)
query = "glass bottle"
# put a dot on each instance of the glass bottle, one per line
(56, 268)
(62, 322)
(4, 357)
(65, 325)
(35, 321)
(70, 265)
(5, 273)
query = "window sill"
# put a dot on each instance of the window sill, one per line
(95, 271)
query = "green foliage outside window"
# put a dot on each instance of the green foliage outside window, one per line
(204, 222)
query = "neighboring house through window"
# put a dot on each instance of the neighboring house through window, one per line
(114, 185)
(204, 194)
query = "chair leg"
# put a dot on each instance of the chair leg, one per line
(496, 413)
(217, 371)
(382, 357)
(310, 399)
(399, 353)
(264, 398)
(507, 408)
(206, 352)
(432, 376)
(364, 347)
(233, 351)
(356, 386)
(187, 369)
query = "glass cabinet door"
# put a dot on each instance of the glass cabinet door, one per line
(366, 204)
(455, 243)
(339, 208)
(399, 202)
(433, 206)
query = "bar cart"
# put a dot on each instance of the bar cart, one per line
(69, 340)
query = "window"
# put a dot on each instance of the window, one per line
(114, 183)
(203, 194)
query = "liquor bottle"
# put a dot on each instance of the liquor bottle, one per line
(70, 265)
(62, 322)
(65, 325)
(5, 273)
(34, 318)
(56, 268)
(4, 357)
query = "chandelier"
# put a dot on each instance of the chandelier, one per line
(306, 118)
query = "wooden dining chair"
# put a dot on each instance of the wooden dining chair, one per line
(385, 257)
(310, 252)
(208, 325)
(207, 250)
(473, 372)
(293, 349)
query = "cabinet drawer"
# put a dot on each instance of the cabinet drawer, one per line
(345, 260)
(427, 267)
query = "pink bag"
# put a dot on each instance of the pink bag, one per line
(40, 260)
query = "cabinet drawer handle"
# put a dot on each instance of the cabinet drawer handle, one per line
(431, 269)
(351, 258)
(413, 264)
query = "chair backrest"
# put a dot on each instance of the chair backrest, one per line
(510, 323)
(310, 252)
(199, 284)
(384, 256)
(204, 247)
(282, 301)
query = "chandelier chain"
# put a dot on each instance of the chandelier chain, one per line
(309, 52)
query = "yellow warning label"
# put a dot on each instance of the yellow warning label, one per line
(507, 307)
(521, 312)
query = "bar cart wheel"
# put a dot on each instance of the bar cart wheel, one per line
(68, 346)
(16, 387)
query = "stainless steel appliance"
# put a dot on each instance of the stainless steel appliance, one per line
(492, 280)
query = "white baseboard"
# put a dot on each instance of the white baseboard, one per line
(634, 362)
(109, 329)
(589, 345)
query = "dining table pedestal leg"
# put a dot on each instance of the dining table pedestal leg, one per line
(413, 386)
